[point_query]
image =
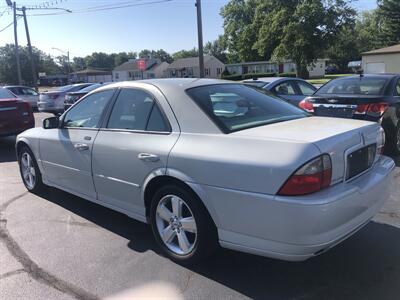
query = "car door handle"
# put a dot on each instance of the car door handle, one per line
(148, 157)
(81, 147)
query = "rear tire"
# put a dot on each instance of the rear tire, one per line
(181, 225)
(395, 142)
(29, 170)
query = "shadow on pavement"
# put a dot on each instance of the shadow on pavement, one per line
(366, 266)
(7, 149)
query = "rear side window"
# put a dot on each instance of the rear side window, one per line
(285, 88)
(398, 87)
(235, 107)
(136, 110)
(305, 88)
(355, 86)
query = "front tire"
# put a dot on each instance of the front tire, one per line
(29, 170)
(181, 225)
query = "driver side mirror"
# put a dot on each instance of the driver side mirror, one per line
(51, 123)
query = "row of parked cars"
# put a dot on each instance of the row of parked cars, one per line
(364, 97)
(17, 104)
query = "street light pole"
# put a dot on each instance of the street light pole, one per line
(200, 38)
(28, 38)
(68, 62)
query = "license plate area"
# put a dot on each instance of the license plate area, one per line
(360, 161)
(334, 110)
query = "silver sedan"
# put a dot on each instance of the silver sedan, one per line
(209, 162)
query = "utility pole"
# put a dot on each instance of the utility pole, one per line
(33, 67)
(16, 44)
(200, 38)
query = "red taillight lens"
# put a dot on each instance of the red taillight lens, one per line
(306, 105)
(373, 109)
(361, 109)
(377, 109)
(53, 96)
(310, 178)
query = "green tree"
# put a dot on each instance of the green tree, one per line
(301, 30)
(369, 32)
(78, 64)
(160, 54)
(185, 53)
(217, 49)
(389, 11)
(240, 33)
(100, 60)
(8, 66)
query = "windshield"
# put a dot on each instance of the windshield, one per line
(5, 94)
(354, 86)
(236, 107)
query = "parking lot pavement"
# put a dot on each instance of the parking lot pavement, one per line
(58, 246)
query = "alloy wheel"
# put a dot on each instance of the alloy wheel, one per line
(28, 170)
(176, 224)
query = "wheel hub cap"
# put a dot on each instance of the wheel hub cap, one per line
(176, 225)
(28, 170)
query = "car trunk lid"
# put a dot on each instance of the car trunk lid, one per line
(337, 137)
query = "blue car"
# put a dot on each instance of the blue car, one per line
(290, 89)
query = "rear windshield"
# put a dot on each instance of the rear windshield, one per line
(256, 83)
(5, 94)
(355, 86)
(90, 88)
(236, 107)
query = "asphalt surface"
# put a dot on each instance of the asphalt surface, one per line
(58, 246)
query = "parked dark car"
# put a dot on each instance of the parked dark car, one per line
(290, 89)
(72, 97)
(372, 97)
(16, 115)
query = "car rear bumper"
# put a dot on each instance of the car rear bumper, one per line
(15, 130)
(297, 228)
(49, 107)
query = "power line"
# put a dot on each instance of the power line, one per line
(89, 10)
(9, 25)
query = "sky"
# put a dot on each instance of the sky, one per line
(168, 25)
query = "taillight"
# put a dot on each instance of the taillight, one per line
(310, 178)
(373, 109)
(53, 96)
(306, 105)
(26, 109)
(380, 143)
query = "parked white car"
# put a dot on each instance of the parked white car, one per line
(208, 161)
(25, 93)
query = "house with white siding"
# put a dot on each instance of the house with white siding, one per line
(189, 68)
(316, 69)
(130, 70)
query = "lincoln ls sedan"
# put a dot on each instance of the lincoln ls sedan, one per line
(211, 163)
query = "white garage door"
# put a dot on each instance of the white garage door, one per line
(375, 67)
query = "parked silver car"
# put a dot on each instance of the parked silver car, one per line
(53, 101)
(209, 161)
(25, 93)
